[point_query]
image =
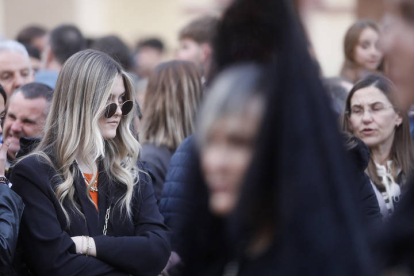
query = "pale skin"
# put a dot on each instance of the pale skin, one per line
(375, 128)
(108, 127)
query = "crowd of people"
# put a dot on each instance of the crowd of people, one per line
(236, 157)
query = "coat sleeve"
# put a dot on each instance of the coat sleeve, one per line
(148, 251)
(48, 249)
(11, 209)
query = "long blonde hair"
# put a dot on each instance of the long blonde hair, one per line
(171, 101)
(82, 89)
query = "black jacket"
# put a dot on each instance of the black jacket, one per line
(362, 189)
(139, 246)
(196, 233)
(157, 161)
(11, 209)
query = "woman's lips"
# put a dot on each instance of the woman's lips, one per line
(113, 123)
(368, 131)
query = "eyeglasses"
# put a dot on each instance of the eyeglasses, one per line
(126, 107)
(373, 109)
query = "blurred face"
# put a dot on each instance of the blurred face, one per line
(398, 46)
(373, 118)
(227, 155)
(15, 71)
(366, 52)
(190, 51)
(108, 126)
(40, 42)
(25, 118)
(147, 59)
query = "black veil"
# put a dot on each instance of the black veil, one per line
(300, 177)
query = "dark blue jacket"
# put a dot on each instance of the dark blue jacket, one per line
(184, 205)
(136, 246)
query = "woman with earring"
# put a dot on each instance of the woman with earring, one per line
(373, 116)
(90, 207)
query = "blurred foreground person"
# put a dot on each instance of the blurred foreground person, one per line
(85, 195)
(296, 213)
(362, 51)
(11, 206)
(171, 101)
(338, 89)
(230, 122)
(371, 114)
(15, 67)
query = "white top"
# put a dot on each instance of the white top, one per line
(392, 193)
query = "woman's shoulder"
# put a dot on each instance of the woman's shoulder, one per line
(33, 167)
(152, 152)
(144, 177)
(34, 162)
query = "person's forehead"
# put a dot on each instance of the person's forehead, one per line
(21, 106)
(368, 33)
(10, 61)
(369, 95)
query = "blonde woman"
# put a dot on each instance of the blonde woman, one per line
(171, 100)
(90, 210)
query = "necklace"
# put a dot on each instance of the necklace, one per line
(94, 186)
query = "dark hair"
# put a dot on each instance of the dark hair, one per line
(27, 35)
(247, 34)
(3, 94)
(36, 90)
(337, 92)
(402, 151)
(116, 48)
(32, 51)
(154, 43)
(65, 41)
(201, 30)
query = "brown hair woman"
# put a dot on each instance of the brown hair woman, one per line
(172, 97)
(372, 115)
(362, 53)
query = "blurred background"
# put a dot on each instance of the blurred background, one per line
(325, 20)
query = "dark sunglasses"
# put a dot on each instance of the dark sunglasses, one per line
(126, 107)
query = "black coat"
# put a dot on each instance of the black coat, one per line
(11, 209)
(157, 161)
(139, 246)
(362, 190)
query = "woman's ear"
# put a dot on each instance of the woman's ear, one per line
(399, 119)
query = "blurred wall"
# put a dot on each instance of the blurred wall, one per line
(131, 19)
(325, 20)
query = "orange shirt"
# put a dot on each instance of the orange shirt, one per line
(94, 195)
